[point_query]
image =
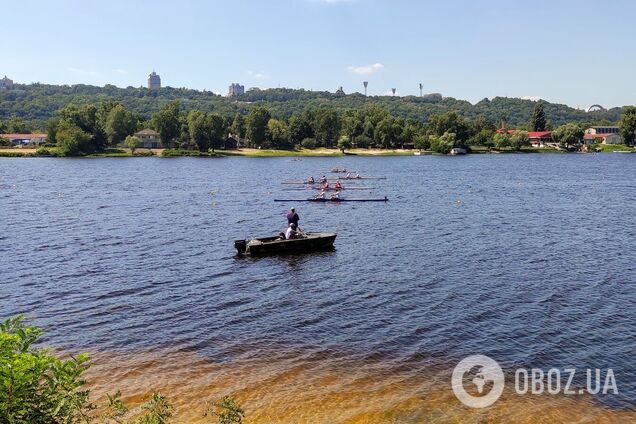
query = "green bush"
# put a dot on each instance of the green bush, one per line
(36, 387)
(308, 143)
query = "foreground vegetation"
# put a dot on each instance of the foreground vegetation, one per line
(37, 387)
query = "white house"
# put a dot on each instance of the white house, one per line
(149, 139)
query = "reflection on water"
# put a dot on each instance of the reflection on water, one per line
(327, 388)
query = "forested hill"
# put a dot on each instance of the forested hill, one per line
(36, 103)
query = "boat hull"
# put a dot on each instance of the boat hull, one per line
(313, 242)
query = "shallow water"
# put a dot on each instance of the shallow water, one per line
(528, 259)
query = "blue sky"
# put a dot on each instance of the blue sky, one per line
(577, 52)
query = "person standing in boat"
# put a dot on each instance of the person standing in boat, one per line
(292, 217)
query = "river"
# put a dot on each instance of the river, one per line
(526, 258)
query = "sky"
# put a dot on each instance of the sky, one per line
(577, 52)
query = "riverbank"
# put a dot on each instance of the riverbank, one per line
(269, 153)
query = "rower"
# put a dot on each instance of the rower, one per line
(320, 195)
(338, 185)
(336, 195)
(325, 185)
(323, 179)
(348, 175)
(357, 176)
(311, 180)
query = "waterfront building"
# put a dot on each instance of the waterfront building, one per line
(149, 139)
(6, 83)
(607, 129)
(604, 138)
(236, 89)
(24, 139)
(540, 138)
(154, 81)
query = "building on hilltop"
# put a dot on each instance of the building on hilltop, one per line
(6, 83)
(236, 89)
(154, 80)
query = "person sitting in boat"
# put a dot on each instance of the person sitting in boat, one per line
(357, 176)
(311, 180)
(291, 232)
(323, 179)
(336, 195)
(281, 236)
(325, 186)
(348, 176)
(320, 195)
(338, 186)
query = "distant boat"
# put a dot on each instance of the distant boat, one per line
(458, 151)
(311, 242)
(329, 200)
(417, 153)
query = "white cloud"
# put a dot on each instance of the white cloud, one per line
(367, 69)
(258, 75)
(80, 71)
(533, 98)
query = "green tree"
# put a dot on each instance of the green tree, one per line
(388, 132)
(568, 134)
(352, 125)
(484, 137)
(443, 143)
(279, 133)
(538, 122)
(344, 143)
(518, 140)
(197, 129)
(627, 125)
(215, 129)
(16, 125)
(167, 122)
(119, 124)
(132, 142)
(326, 127)
(422, 142)
(299, 129)
(256, 126)
(502, 140)
(450, 122)
(72, 140)
(238, 126)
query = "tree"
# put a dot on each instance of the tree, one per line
(72, 140)
(299, 129)
(344, 143)
(167, 123)
(388, 132)
(538, 122)
(568, 134)
(227, 411)
(352, 125)
(256, 126)
(197, 130)
(627, 125)
(519, 139)
(443, 143)
(484, 137)
(119, 124)
(450, 122)
(215, 130)
(279, 133)
(502, 140)
(326, 127)
(422, 142)
(132, 142)
(238, 126)
(16, 125)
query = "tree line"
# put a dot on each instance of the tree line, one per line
(94, 127)
(36, 103)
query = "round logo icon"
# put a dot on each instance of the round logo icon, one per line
(485, 372)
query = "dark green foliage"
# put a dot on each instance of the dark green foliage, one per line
(627, 125)
(538, 122)
(167, 122)
(256, 126)
(568, 134)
